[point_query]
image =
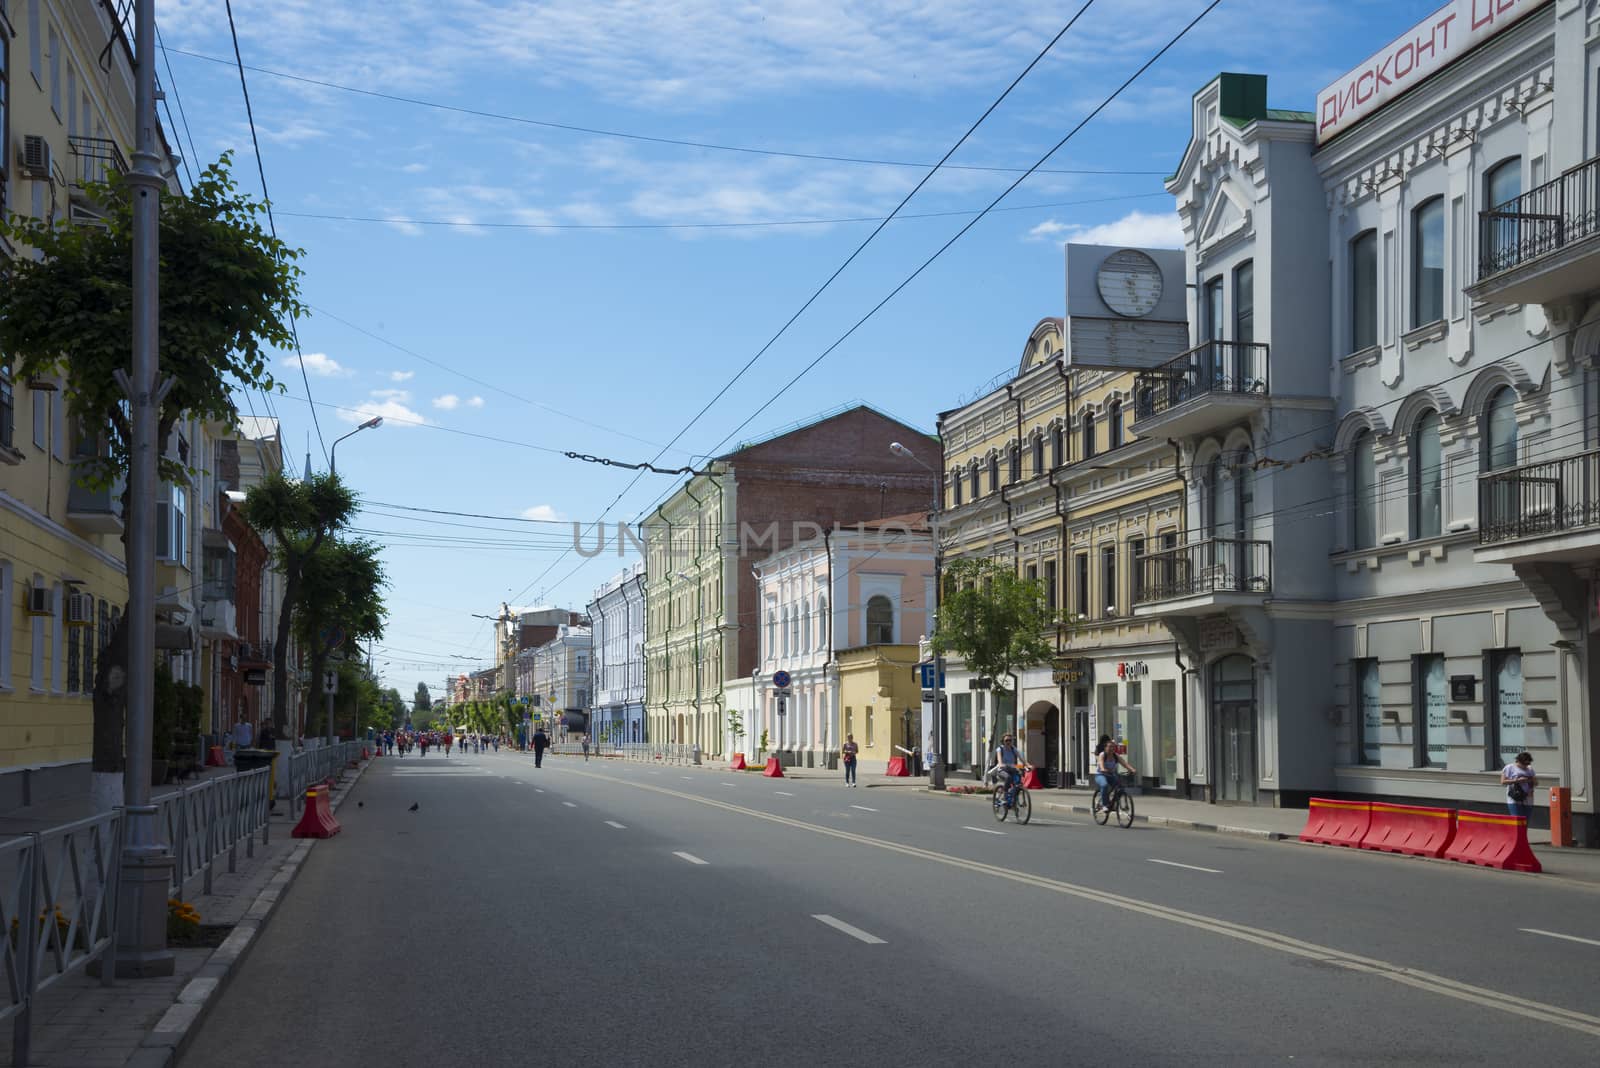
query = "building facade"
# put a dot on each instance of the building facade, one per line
(617, 615)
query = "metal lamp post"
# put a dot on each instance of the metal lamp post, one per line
(935, 759)
(333, 452)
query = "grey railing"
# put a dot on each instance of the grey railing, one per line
(1212, 367)
(314, 765)
(1541, 498)
(1215, 565)
(1544, 219)
(200, 823)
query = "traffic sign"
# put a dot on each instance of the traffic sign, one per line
(330, 682)
(332, 638)
(780, 679)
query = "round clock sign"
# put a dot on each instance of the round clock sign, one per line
(1130, 283)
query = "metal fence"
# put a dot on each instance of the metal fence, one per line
(1215, 565)
(1232, 367)
(1545, 218)
(314, 765)
(1549, 497)
(200, 823)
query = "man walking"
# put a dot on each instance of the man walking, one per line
(243, 735)
(540, 741)
(586, 749)
(849, 753)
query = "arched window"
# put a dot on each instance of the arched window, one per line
(1038, 454)
(994, 475)
(1058, 447)
(1114, 417)
(822, 622)
(1501, 184)
(786, 631)
(1088, 435)
(1363, 490)
(1015, 458)
(1427, 263)
(805, 628)
(880, 620)
(955, 489)
(972, 471)
(1364, 291)
(1427, 485)
(1500, 430)
(1244, 492)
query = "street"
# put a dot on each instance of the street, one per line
(619, 913)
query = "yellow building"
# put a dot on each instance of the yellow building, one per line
(879, 701)
(1042, 472)
(66, 104)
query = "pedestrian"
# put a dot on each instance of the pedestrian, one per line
(849, 753)
(1520, 782)
(242, 734)
(269, 737)
(540, 741)
(497, 743)
(585, 748)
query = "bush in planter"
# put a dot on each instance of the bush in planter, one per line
(164, 725)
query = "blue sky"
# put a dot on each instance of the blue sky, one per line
(492, 350)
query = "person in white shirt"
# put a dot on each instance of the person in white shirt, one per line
(243, 735)
(1520, 782)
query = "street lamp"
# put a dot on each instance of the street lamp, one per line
(333, 453)
(933, 759)
(697, 724)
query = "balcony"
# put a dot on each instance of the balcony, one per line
(95, 511)
(217, 618)
(1548, 511)
(1542, 246)
(1203, 577)
(1213, 385)
(94, 159)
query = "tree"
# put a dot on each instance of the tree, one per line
(993, 620)
(301, 516)
(736, 725)
(228, 294)
(341, 592)
(423, 700)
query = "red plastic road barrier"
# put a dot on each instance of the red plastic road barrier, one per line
(1342, 823)
(738, 763)
(214, 757)
(1032, 780)
(774, 769)
(1420, 832)
(1494, 841)
(316, 819)
(364, 754)
(897, 768)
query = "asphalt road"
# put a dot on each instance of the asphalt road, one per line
(619, 914)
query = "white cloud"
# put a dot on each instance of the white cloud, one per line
(391, 404)
(414, 168)
(401, 376)
(320, 364)
(474, 402)
(1137, 229)
(447, 403)
(542, 512)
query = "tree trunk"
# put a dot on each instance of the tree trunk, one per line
(108, 753)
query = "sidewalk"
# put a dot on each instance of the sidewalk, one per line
(143, 1023)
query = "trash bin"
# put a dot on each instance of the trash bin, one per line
(697, 754)
(251, 759)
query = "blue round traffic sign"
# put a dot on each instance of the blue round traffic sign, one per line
(780, 679)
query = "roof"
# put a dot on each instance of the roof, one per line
(820, 420)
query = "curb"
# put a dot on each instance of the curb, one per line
(164, 1045)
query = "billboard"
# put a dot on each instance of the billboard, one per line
(1127, 308)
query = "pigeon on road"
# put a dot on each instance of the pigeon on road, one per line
(413, 807)
(361, 804)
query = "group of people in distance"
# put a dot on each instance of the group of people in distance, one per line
(402, 741)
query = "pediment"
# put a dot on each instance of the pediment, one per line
(1226, 216)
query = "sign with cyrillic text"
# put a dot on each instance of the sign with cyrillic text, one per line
(1441, 38)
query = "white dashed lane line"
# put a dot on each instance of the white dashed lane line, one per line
(1563, 937)
(690, 857)
(569, 804)
(1190, 867)
(783, 793)
(981, 830)
(614, 823)
(849, 929)
(864, 808)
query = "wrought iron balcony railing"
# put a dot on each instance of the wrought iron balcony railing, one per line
(94, 158)
(1544, 219)
(1550, 497)
(1212, 367)
(1214, 565)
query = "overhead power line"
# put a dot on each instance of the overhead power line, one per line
(678, 142)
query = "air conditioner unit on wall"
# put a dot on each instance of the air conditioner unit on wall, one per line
(80, 610)
(39, 601)
(35, 157)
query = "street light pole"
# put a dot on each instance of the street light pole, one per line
(935, 759)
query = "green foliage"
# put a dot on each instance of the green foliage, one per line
(735, 723)
(227, 293)
(423, 699)
(763, 740)
(342, 586)
(179, 708)
(994, 620)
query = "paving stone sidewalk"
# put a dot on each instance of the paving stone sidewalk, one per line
(145, 1023)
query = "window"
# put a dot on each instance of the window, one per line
(1031, 573)
(1502, 183)
(1088, 435)
(955, 489)
(1427, 490)
(1108, 578)
(36, 648)
(822, 622)
(8, 402)
(1506, 721)
(868, 711)
(1427, 263)
(1244, 302)
(1369, 691)
(7, 598)
(1429, 712)
(1500, 430)
(973, 473)
(994, 475)
(58, 645)
(1364, 491)
(1016, 463)
(1081, 575)
(55, 72)
(1050, 586)
(41, 410)
(1038, 454)
(1364, 291)
(1211, 309)
(1058, 447)
(1114, 421)
(172, 527)
(880, 620)
(35, 53)
(75, 660)
(1136, 568)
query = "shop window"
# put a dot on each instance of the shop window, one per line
(1427, 263)
(1369, 717)
(1166, 740)
(1427, 483)
(1364, 491)
(1506, 718)
(1429, 711)
(1364, 291)
(880, 620)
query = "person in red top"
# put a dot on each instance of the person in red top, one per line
(449, 740)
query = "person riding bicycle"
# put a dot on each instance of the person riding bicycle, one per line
(1106, 759)
(1007, 760)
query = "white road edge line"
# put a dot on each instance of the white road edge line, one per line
(1191, 867)
(853, 932)
(614, 823)
(864, 808)
(727, 784)
(783, 793)
(1563, 937)
(980, 830)
(569, 804)
(690, 857)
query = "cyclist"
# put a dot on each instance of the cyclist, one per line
(1007, 759)
(1106, 759)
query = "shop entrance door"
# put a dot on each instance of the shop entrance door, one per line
(1233, 707)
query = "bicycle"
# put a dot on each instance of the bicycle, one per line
(1119, 802)
(1013, 800)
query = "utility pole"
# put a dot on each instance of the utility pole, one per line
(142, 897)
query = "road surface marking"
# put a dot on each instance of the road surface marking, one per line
(727, 784)
(1565, 937)
(783, 793)
(1484, 997)
(853, 932)
(569, 804)
(1191, 867)
(864, 808)
(690, 857)
(980, 830)
(687, 778)
(538, 789)
(614, 823)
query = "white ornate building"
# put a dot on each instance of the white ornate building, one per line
(617, 624)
